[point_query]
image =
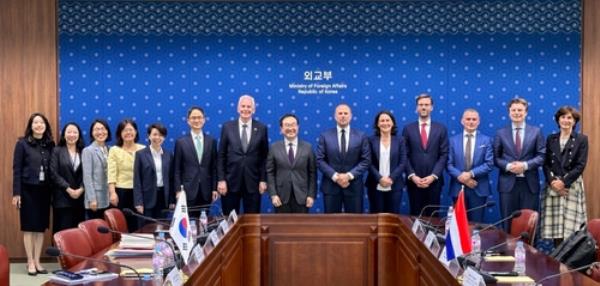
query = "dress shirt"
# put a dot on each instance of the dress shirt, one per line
(157, 156)
(514, 136)
(339, 137)
(294, 146)
(427, 127)
(384, 164)
(248, 129)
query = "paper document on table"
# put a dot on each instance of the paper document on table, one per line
(139, 241)
(129, 252)
(514, 279)
(87, 278)
(503, 258)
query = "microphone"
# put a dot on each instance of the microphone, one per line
(487, 204)
(524, 235)
(129, 212)
(105, 230)
(511, 216)
(539, 282)
(428, 207)
(55, 252)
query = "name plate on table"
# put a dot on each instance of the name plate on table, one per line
(432, 243)
(213, 237)
(174, 278)
(418, 229)
(233, 218)
(198, 254)
(472, 278)
(224, 226)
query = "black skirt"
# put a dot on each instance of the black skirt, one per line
(35, 208)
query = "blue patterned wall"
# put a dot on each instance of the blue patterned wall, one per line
(152, 60)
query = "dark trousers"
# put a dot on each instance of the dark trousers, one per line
(419, 198)
(251, 201)
(472, 200)
(69, 217)
(157, 211)
(126, 202)
(520, 197)
(351, 203)
(384, 202)
(292, 206)
(99, 213)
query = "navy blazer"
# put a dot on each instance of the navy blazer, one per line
(192, 175)
(64, 176)
(432, 159)
(569, 164)
(28, 157)
(397, 163)
(238, 167)
(144, 178)
(533, 151)
(330, 161)
(483, 161)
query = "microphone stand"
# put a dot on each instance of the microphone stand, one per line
(539, 282)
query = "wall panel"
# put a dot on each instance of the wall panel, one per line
(28, 83)
(590, 100)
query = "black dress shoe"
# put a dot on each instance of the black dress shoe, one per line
(41, 271)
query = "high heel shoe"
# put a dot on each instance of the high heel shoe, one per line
(41, 271)
(32, 273)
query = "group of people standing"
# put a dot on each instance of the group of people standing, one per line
(82, 182)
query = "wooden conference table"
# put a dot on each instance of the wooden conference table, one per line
(340, 249)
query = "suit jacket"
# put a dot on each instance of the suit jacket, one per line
(397, 163)
(330, 160)
(283, 177)
(28, 157)
(569, 164)
(238, 167)
(64, 176)
(432, 159)
(483, 161)
(95, 180)
(144, 178)
(532, 152)
(195, 176)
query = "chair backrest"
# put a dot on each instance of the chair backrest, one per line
(97, 240)
(593, 227)
(526, 222)
(73, 241)
(116, 221)
(4, 266)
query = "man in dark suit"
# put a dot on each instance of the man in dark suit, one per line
(153, 175)
(242, 156)
(519, 151)
(427, 148)
(469, 164)
(343, 156)
(291, 170)
(196, 162)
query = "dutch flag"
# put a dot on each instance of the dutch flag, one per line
(458, 238)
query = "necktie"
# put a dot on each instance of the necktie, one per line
(244, 137)
(291, 153)
(199, 148)
(468, 158)
(424, 135)
(343, 143)
(518, 144)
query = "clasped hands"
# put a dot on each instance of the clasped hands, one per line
(422, 182)
(343, 180)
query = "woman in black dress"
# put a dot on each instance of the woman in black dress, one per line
(31, 187)
(67, 175)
